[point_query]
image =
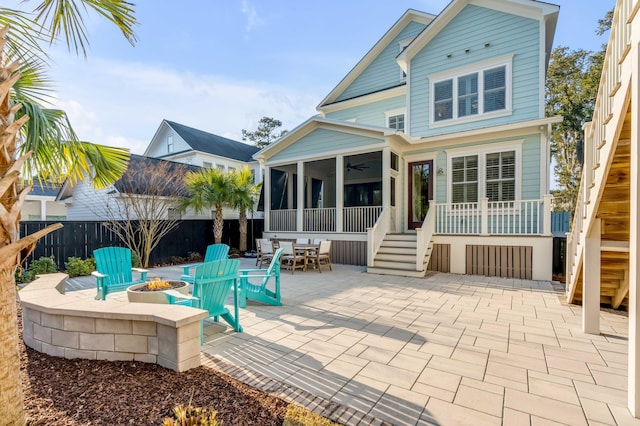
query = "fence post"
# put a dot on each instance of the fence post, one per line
(484, 216)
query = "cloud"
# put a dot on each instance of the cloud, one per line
(122, 104)
(249, 11)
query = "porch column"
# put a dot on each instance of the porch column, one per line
(43, 209)
(339, 192)
(300, 197)
(266, 191)
(633, 384)
(386, 177)
(591, 281)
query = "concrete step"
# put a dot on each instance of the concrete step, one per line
(397, 250)
(394, 264)
(398, 243)
(403, 258)
(400, 237)
(396, 272)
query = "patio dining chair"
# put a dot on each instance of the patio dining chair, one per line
(254, 283)
(322, 256)
(213, 281)
(265, 252)
(292, 259)
(214, 252)
(302, 241)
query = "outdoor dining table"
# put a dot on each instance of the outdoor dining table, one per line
(307, 249)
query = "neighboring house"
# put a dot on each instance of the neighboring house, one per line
(145, 176)
(603, 255)
(177, 142)
(40, 203)
(448, 108)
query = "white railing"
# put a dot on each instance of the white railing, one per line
(376, 234)
(423, 236)
(522, 217)
(358, 219)
(282, 220)
(320, 220)
(609, 111)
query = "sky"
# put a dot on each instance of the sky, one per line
(221, 65)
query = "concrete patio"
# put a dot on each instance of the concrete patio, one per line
(445, 349)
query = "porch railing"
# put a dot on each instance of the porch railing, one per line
(282, 220)
(376, 234)
(358, 219)
(320, 220)
(522, 217)
(423, 237)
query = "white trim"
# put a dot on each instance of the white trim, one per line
(481, 151)
(394, 113)
(476, 68)
(402, 44)
(315, 157)
(364, 100)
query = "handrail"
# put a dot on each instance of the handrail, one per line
(376, 234)
(424, 234)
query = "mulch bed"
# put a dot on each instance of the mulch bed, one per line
(77, 392)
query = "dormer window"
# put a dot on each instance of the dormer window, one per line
(471, 94)
(170, 143)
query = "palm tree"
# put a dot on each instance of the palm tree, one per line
(209, 188)
(38, 140)
(243, 198)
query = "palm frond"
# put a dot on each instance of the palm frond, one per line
(65, 18)
(24, 39)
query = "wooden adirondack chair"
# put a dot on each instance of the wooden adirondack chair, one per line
(214, 252)
(260, 292)
(213, 281)
(113, 271)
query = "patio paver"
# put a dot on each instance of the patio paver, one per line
(446, 349)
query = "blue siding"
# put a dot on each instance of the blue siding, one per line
(530, 161)
(373, 113)
(384, 71)
(323, 141)
(471, 29)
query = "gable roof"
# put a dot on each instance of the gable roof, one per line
(405, 19)
(546, 12)
(203, 141)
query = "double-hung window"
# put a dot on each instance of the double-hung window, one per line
(491, 174)
(397, 122)
(170, 143)
(471, 93)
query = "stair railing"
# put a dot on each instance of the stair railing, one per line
(424, 235)
(376, 234)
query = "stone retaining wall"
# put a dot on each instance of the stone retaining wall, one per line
(74, 325)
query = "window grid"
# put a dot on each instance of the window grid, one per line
(397, 122)
(475, 94)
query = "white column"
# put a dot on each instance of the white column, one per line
(339, 192)
(633, 385)
(591, 281)
(43, 209)
(386, 177)
(300, 197)
(546, 211)
(266, 190)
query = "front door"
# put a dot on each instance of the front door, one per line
(420, 191)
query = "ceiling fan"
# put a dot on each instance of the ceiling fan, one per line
(359, 167)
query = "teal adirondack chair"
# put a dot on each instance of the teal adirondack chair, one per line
(214, 252)
(213, 281)
(259, 291)
(113, 271)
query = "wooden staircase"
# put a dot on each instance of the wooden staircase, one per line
(397, 256)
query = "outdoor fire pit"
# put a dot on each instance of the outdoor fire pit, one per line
(152, 291)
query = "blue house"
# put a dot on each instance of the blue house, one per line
(432, 152)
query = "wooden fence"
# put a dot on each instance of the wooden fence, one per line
(79, 239)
